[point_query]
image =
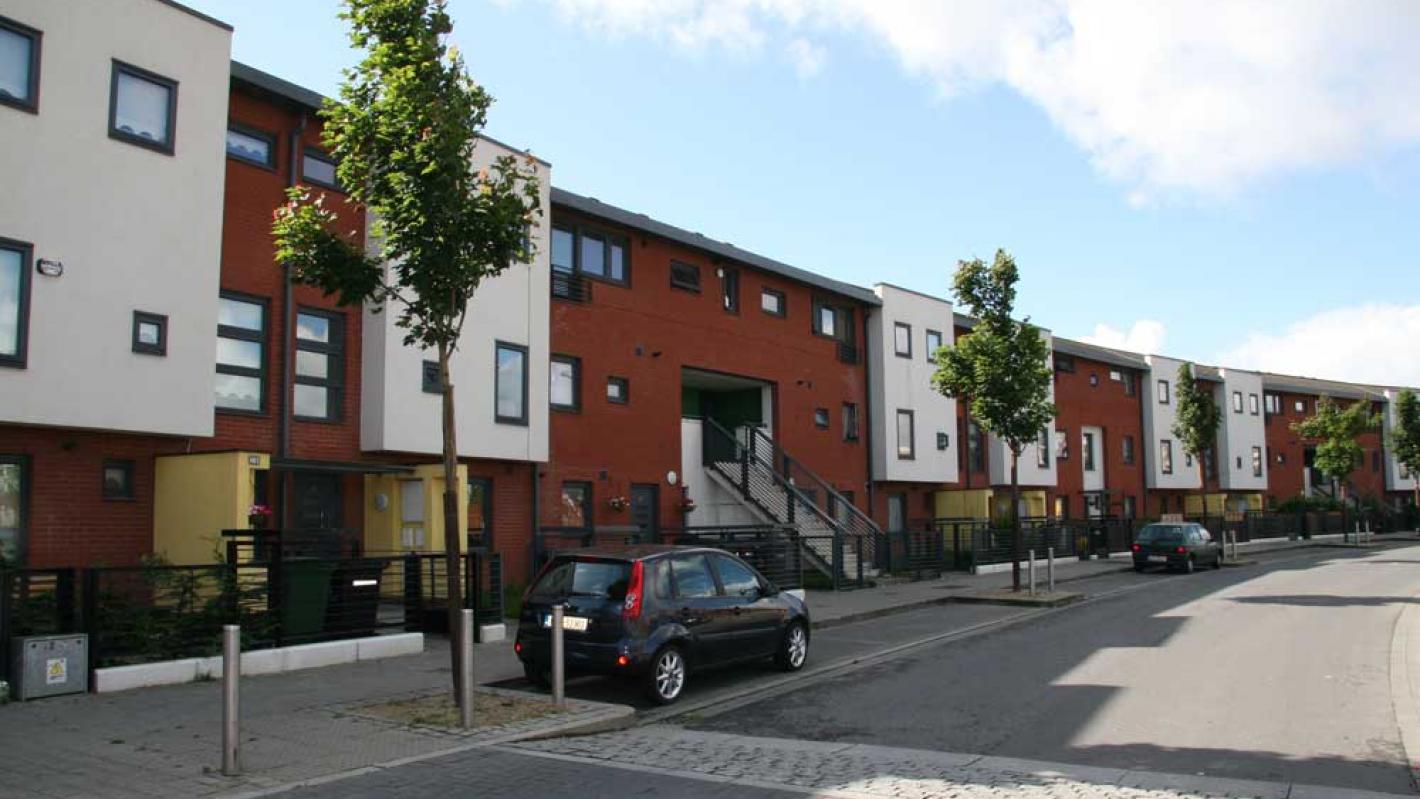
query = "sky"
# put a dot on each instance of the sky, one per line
(1232, 183)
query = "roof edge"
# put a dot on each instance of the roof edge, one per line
(192, 12)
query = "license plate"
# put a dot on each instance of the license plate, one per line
(1158, 557)
(576, 624)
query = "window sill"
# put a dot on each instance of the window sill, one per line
(240, 412)
(565, 408)
(257, 164)
(515, 422)
(318, 419)
(20, 105)
(162, 148)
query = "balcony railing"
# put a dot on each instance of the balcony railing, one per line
(571, 286)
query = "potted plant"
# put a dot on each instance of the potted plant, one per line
(618, 503)
(259, 517)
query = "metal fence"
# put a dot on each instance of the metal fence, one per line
(774, 550)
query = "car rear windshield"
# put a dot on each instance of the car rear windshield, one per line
(1161, 534)
(604, 579)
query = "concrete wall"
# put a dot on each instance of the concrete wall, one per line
(1029, 470)
(1159, 418)
(199, 496)
(1393, 469)
(905, 383)
(136, 230)
(1241, 430)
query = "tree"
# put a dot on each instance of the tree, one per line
(1198, 419)
(403, 135)
(1001, 371)
(1405, 437)
(1335, 430)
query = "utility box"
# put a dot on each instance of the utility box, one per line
(50, 665)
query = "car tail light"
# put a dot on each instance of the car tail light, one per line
(1137, 548)
(631, 610)
(1180, 550)
(622, 660)
(518, 647)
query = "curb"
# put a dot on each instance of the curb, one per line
(1402, 687)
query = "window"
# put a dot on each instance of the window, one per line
(1088, 452)
(14, 508)
(19, 70)
(251, 145)
(1272, 403)
(825, 320)
(480, 507)
(1042, 449)
(618, 390)
(429, 378)
(1116, 375)
(692, 577)
(730, 290)
(1163, 392)
(685, 276)
(944, 441)
(905, 437)
(975, 448)
(15, 266)
(1064, 363)
(142, 108)
(565, 391)
(1166, 456)
(850, 421)
(821, 418)
(1300, 406)
(1129, 385)
(241, 353)
(1237, 402)
(1257, 461)
(576, 504)
(510, 387)
(897, 512)
(1062, 445)
(772, 302)
(564, 243)
(902, 339)
(1281, 458)
(1094, 380)
(934, 343)
(595, 253)
(1128, 444)
(736, 578)
(1129, 507)
(118, 480)
(320, 346)
(318, 169)
(150, 333)
(1252, 404)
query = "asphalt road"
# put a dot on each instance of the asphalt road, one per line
(1276, 672)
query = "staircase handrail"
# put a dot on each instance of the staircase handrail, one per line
(861, 519)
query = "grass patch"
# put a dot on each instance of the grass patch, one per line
(439, 710)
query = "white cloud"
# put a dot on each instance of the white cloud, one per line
(807, 57)
(1145, 336)
(1202, 96)
(1367, 344)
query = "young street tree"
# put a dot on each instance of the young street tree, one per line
(1405, 437)
(403, 134)
(1335, 431)
(1198, 419)
(1001, 371)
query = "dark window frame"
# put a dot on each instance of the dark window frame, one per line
(25, 466)
(576, 364)
(487, 485)
(498, 416)
(168, 147)
(1130, 386)
(911, 435)
(625, 384)
(334, 351)
(579, 230)
(896, 326)
(1257, 460)
(783, 299)
(429, 381)
(1127, 449)
(1087, 444)
(821, 420)
(684, 276)
(124, 465)
(1254, 405)
(242, 334)
(729, 290)
(141, 318)
(256, 133)
(22, 319)
(1165, 456)
(850, 421)
(927, 342)
(1042, 446)
(1163, 386)
(317, 154)
(842, 320)
(1237, 402)
(36, 37)
(1064, 363)
(588, 505)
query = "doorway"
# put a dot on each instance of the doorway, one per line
(317, 501)
(645, 504)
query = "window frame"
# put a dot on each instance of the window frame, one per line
(126, 466)
(821, 418)
(587, 504)
(680, 282)
(850, 421)
(141, 318)
(168, 147)
(262, 374)
(834, 312)
(25, 465)
(576, 364)
(1271, 403)
(486, 484)
(781, 297)
(498, 416)
(1165, 456)
(729, 290)
(625, 384)
(426, 385)
(334, 352)
(1237, 402)
(36, 37)
(1063, 363)
(896, 340)
(318, 154)
(927, 342)
(256, 133)
(1087, 443)
(580, 230)
(911, 435)
(1127, 449)
(22, 318)
(1257, 461)
(1163, 388)
(1042, 449)
(1254, 405)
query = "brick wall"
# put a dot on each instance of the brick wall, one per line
(1088, 397)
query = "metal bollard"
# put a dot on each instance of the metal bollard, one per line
(1032, 572)
(465, 643)
(231, 674)
(559, 676)
(1050, 569)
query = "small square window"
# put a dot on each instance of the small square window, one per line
(118, 480)
(1116, 375)
(821, 418)
(251, 145)
(902, 339)
(318, 169)
(772, 302)
(618, 390)
(19, 65)
(150, 333)
(1094, 380)
(142, 108)
(685, 277)
(1300, 406)
(944, 441)
(429, 378)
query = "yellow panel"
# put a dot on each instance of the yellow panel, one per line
(196, 497)
(974, 503)
(391, 528)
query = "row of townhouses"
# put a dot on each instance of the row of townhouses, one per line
(159, 375)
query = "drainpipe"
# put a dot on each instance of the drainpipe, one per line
(535, 544)
(867, 429)
(288, 310)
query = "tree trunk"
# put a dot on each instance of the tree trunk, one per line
(1016, 533)
(452, 534)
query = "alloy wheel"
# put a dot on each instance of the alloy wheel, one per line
(670, 675)
(797, 646)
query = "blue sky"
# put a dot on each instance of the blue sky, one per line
(1256, 230)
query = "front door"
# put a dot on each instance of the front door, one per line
(897, 512)
(645, 504)
(317, 502)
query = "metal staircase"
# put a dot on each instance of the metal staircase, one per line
(836, 537)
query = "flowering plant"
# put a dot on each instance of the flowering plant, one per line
(618, 503)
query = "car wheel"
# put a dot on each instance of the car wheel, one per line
(1218, 561)
(794, 649)
(1188, 565)
(538, 677)
(665, 679)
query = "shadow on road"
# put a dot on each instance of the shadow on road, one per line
(1326, 601)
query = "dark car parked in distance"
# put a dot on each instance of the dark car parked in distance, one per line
(1177, 545)
(657, 613)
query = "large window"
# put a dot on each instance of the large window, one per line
(318, 169)
(241, 354)
(565, 389)
(320, 347)
(934, 343)
(142, 108)
(902, 339)
(14, 509)
(510, 387)
(1088, 443)
(251, 145)
(591, 252)
(576, 504)
(1166, 456)
(19, 65)
(15, 267)
(906, 449)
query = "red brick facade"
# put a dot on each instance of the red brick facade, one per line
(1286, 451)
(1088, 397)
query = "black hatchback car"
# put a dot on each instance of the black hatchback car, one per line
(656, 613)
(1178, 545)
